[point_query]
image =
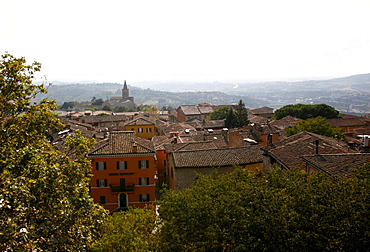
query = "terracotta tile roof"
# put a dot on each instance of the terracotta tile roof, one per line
(190, 146)
(285, 122)
(121, 142)
(288, 151)
(261, 128)
(361, 131)
(205, 109)
(189, 109)
(217, 157)
(258, 119)
(160, 141)
(262, 110)
(346, 122)
(99, 119)
(149, 117)
(206, 104)
(250, 134)
(212, 124)
(178, 127)
(139, 121)
(349, 116)
(217, 138)
(337, 165)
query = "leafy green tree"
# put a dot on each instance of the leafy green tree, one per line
(241, 115)
(220, 113)
(317, 125)
(132, 230)
(44, 199)
(274, 211)
(305, 111)
(107, 108)
(230, 120)
(97, 102)
(124, 109)
(67, 105)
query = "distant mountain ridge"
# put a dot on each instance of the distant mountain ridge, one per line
(86, 92)
(345, 94)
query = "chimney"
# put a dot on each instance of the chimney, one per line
(317, 147)
(174, 139)
(366, 141)
(134, 147)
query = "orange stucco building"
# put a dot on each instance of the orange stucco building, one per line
(124, 172)
(143, 127)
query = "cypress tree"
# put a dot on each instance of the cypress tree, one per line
(241, 115)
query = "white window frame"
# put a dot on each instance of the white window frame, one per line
(144, 181)
(144, 197)
(100, 166)
(121, 165)
(143, 164)
(101, 183)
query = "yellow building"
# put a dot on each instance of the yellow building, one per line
(143, 127)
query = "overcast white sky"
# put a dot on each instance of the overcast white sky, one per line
(117, 40)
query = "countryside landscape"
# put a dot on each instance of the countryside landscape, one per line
(114, 167)
(173, 126)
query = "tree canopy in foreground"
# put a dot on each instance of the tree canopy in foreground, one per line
(304, 111)
(276, 211)
(44, 199)
(130, 231)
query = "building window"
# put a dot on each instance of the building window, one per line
(100, 166)
(148, 130)
(140, 130)
(144, 197)
(143, 181)
(143, 164)
(101, 182)
(102, 200)
(121, 165)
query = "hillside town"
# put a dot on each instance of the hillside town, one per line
(136, 154)
(197, 177)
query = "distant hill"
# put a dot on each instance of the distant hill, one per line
(347, 94)
(85, 92)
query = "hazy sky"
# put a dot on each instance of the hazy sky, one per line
(188, 40)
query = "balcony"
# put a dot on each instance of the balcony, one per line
(120, 188)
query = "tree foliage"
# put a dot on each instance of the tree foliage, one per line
(230, 119)
(44, 200)
(276, 211)
(237, 118)
(241, 115)
(67, 105)
(131, 231)
(317, 125)
(305, 111)
(107, 108)
(220, 113)
(98, 101)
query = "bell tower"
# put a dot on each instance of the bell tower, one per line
(125, 92)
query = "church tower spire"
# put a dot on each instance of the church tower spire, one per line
(125, 92)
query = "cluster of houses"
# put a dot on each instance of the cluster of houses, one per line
(136, 153)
